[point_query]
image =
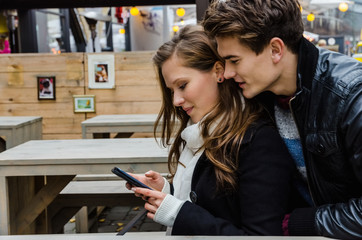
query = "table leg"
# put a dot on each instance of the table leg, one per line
(4, 206)
(20, 191)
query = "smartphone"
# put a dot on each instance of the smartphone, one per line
(119, 172)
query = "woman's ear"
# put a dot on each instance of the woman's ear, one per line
(277, 49)
(219, 70)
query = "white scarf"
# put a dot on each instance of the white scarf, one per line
(189, 157)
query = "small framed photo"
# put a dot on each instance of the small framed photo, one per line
(84, 103)
(46, 87)
(101, 71)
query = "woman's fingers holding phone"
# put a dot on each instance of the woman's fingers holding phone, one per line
(151, 210)
(155, 180)
(153, 197)
(151, 178)
(153, 200)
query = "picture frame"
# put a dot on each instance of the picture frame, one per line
(101, 73)
(46, 87)
(84, 103)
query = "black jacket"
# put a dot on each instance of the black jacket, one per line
(327, 109)
(261, 200)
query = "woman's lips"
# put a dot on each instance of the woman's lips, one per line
(188, 110)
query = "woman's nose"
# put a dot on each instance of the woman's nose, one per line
(178, 99)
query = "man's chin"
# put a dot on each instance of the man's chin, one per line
(248, 94)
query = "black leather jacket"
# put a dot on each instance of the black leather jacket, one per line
(328, 111)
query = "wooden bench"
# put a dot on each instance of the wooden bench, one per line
(86, 200)
(88, 195)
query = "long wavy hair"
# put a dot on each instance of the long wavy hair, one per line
(233, 113)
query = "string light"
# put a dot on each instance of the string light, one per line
(122, 31)
(134, 11)
(175, 28)
(343, 7)
(180, 12)
(310, 17)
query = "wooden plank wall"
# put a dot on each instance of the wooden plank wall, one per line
(136, 89)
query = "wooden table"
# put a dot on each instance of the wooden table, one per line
(123, 124)
(17, 130)
(60, 161)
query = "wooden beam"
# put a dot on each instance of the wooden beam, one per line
(33, 4)
(40, 201)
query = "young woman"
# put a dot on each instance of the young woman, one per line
(230, 169)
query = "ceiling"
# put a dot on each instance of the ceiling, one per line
(33, 4)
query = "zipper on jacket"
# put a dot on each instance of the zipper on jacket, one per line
(301, 142)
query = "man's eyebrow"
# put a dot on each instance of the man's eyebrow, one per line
(229, 56)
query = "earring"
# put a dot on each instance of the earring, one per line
(220, 80)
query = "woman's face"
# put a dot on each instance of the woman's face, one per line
(195, 91)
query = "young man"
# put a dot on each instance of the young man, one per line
(315, 97)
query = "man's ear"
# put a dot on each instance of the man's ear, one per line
(277, 49)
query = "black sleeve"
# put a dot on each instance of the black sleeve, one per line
(342, 220)
(265, 172)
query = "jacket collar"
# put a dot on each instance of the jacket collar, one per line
(307, 64)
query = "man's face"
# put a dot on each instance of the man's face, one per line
(254, 73)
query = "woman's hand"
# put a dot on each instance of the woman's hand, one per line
(153, 199)
(151, 178)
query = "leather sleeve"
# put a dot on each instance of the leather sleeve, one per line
(344, 220)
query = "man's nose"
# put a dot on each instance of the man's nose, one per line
(229, 72)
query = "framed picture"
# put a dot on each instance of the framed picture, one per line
(46, 87)
(101, 71)
(84, 103)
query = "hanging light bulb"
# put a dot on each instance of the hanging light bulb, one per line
(122, 31)
(182, 22)
(180, 12)
(175, 28)
(310, 17)
(343, 7)
(134, 11)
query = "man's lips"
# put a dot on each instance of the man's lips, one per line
(241, 84)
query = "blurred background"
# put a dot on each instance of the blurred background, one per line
(79, 26)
